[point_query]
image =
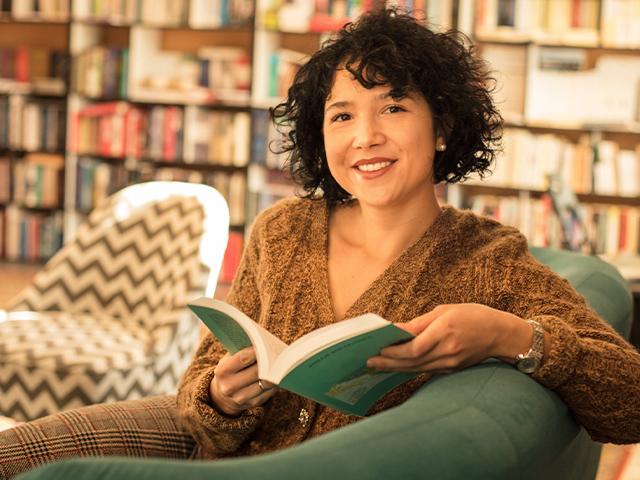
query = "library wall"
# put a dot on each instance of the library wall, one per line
(95, 96)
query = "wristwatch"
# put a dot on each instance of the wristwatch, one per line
(530, 361)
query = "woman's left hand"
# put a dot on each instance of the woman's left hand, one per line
(451, 337)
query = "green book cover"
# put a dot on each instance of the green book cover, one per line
(327, 365)
(338, 376)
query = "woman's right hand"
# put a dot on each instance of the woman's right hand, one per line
(235, 386)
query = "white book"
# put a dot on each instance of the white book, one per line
(604, 170)
(32, 127)
(205, 13)
(241, 138)
(628, 169)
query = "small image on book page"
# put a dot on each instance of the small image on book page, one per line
(357, 385)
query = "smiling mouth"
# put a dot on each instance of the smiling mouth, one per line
(373, 167)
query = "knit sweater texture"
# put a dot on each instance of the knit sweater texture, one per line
(282, 283)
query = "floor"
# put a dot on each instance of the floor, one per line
(616, 463)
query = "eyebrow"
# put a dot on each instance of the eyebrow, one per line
(346, 103)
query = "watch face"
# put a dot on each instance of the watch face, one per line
(528, 364)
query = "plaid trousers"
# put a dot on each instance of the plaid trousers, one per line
(135, 428)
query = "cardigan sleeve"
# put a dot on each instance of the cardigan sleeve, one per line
(594, 370)
(217, 434)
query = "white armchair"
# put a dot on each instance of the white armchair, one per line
(106, 318)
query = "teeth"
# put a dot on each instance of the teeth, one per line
(373, 167)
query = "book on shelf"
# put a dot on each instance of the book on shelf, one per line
(232, 257)
(38, 180)
(616, 170)
(32, 124)
(164, 13)
(2, 232)
(216, 137)
(31, 236)
(96, 129)
(5, 180)
(301, 16)
(43, 69)
(116, 12)
(561, 22)
(620, 26)
(610, 229)
(96, 180)
(211, 75)
(52, 10)
(219, 13)
(327, 365)
(225, 69)
(101, 72)
(283, 66)
(528, 158)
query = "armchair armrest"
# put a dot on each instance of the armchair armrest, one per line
(489, 421)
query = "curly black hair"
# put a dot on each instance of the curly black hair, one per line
(390, 47)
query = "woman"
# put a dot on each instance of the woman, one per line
(376, 118)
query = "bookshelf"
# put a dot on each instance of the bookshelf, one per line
(34, 63)
(180, 89)
(567, 112)
(160, 91)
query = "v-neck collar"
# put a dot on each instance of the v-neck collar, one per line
(321, 239)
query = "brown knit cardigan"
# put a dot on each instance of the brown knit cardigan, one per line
(282, 283)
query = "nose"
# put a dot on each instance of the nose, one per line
(367, 133)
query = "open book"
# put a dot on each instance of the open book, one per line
(328, 365)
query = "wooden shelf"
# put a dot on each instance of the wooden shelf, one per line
(485, 189)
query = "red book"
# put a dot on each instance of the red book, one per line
(624, 230)
(232, 257)
(169, 131)
(326, 23)
(22, 64)
(576, 13)
(106, 108)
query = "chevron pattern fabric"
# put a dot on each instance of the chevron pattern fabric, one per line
(106, 318)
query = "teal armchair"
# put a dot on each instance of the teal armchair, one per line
(485, 422)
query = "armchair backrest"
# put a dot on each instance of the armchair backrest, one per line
(148, 248)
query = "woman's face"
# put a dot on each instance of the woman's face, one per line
(378, 149)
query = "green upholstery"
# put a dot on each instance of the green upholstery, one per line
(485, 422)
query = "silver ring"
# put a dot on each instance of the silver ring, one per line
(262, 386)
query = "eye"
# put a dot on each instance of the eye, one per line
(395, 109)
(340, 117)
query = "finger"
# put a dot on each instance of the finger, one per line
(420, 346)
(230, 383)
(252, 395)
(245, 377)
(238, 361)
(417, 327)
(438, 365)
(263, 397)
(426, 348)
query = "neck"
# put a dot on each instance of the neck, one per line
(386, 232)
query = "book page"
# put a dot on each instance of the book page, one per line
(322, 338)
(236, 331)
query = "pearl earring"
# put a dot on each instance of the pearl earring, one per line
(441, 147)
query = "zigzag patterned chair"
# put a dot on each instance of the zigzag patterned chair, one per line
(106, 318)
